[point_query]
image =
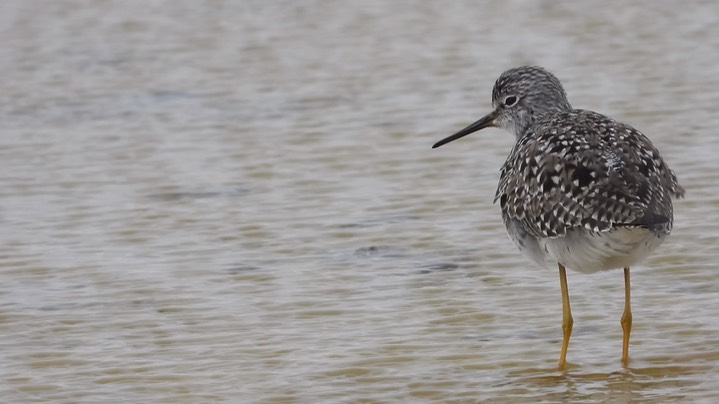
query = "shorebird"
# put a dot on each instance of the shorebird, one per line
(579, 190)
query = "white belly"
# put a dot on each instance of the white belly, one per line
(585, 251)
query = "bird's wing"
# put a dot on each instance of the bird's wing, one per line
(582, 169)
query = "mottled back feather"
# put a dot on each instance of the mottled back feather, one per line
(581, 169)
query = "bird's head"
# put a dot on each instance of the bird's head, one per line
(520, 97)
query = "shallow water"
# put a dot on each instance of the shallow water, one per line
(237, 201)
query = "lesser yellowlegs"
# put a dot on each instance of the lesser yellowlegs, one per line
(579, 189)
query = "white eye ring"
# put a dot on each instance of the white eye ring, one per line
(510, 100)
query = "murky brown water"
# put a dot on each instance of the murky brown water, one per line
(237, 201)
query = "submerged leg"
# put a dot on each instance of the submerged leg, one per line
(567, 320)
(626, 319)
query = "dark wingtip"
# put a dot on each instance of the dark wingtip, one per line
(650, 220)
(679, 193)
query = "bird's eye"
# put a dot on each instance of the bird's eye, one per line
(509, 101)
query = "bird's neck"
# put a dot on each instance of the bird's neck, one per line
(537, 115)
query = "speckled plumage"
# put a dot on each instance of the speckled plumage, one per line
(576, 178)
(579, 190)
(578, 168)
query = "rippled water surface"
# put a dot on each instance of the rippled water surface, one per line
(237, 201)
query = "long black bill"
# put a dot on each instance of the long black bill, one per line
(484, 122)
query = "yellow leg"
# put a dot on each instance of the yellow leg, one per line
(567, 320)
(626, 319)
